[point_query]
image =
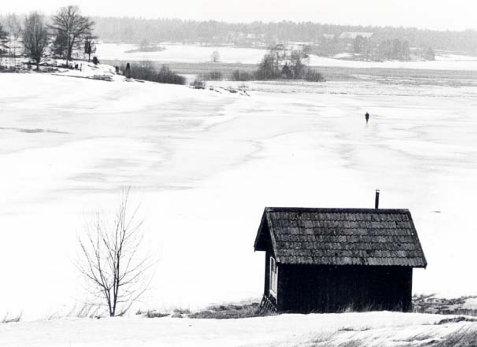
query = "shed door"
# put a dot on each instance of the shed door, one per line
(273, 277)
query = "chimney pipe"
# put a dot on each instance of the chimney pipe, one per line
(376, 202)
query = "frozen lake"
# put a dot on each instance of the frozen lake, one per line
(203, 165)
(193, 54)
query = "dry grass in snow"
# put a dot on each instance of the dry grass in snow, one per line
(371, 329)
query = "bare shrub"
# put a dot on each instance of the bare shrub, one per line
(213, 76)
(153, 314)
(11, 319)
(166, 75)
(87, 311)
(182, 310)
(240, 75)
(311, 75)
(198, 83)
(215, 56)
(111, 262)
(231, 311)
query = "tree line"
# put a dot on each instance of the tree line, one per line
(65, 35)
(395, 49)
(134, 30)
(281, 64)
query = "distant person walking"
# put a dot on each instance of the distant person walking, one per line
(367, 117)
(127, 73)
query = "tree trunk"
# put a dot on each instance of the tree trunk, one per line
(70, 47)
(67, 50)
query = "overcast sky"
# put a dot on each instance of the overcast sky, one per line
(434, 14)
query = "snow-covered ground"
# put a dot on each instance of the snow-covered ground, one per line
(203, 165)
(88, 70)
(383, 329)
(447, 62)
(200, 54)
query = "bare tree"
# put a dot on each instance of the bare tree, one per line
(70, 29)
(90, 46)
(14, 29)
(111, 261)
(3, 38)
(215, 56)
(296, 64)
(35, 37)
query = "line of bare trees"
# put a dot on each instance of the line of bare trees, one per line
(66, 33)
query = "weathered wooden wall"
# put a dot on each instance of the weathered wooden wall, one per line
(307, 288)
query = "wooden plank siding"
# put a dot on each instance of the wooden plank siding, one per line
(305, 288)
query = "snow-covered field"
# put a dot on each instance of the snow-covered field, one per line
(180, 53)
(378, 329)
(199, 54)
(203, 165)
(444, 62)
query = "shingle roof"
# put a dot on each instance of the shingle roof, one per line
(324, 236)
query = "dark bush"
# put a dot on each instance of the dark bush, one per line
(240, 75)
(278, 65)
(146, 71)
(154, 314)
(198, 84)
(166, 75)
(213, 76)
(269, 68)
(311, 75)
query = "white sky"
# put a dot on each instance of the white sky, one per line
(434, 14)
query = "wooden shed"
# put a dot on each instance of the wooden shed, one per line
(330, 260)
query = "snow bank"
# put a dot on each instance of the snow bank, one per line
(91, 71)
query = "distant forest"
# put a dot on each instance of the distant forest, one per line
(259, 34)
